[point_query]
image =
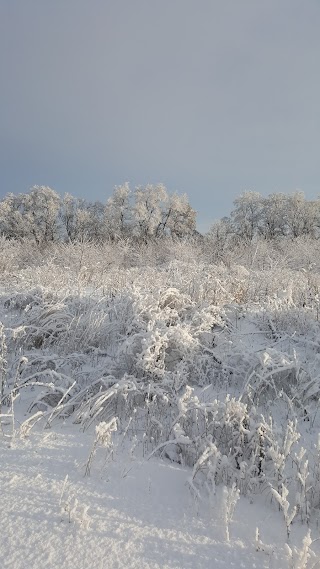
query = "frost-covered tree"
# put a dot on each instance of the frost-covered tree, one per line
(41, 213)
(68, 215)
(273, 209)
(179, 217)
(11, 217)
(96, 221)
(149, 203)
(157, 214)
(33, 215)
(82, 220)
(118, 212)
(72, 217)
(274, 216)
(148, 212)
(219, 238)
(300, 215)
(246, 215)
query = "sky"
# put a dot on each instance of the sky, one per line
(210, 97)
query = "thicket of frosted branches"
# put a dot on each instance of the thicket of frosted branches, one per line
(149, 213)
(204, 353)
(43, 217)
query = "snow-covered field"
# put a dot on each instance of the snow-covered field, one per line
(126, 514)
(130, 512)
(158, 414)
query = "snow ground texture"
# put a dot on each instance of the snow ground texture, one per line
(130, 513)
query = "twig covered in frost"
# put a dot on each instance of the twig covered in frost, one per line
(284, 506)
(58, 407)
(303, 486)
(299, 559)
(63, 488)
(29, 423)
(208, 459)
(229, 499)
(3, 361)
(103, 438)
(281, 452)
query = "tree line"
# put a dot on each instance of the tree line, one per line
(150, 212)
(146, 213)
(275, 216)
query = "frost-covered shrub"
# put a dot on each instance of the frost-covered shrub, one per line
(204, 363)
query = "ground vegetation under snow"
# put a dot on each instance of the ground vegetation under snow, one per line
(154, 397)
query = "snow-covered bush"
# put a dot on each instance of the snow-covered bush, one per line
(212, 366)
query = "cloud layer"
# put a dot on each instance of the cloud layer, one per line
(209, 97)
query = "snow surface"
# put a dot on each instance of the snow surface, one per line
(130, 513)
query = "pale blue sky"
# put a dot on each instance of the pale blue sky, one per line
(209, 97)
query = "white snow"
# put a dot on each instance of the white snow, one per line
(130, 513)
(158, 394)
(140, 513)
